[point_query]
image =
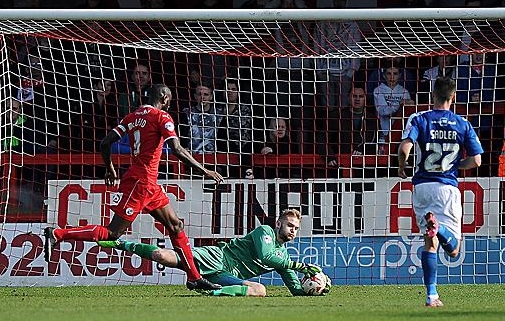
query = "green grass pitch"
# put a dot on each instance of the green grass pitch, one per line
(171, 303)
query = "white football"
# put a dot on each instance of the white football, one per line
(314, 285)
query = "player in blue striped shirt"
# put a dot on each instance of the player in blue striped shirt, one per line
(441, 138)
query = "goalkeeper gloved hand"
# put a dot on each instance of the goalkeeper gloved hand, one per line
(327, 288)
(306, 268)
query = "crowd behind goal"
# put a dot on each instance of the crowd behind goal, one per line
(66, 95)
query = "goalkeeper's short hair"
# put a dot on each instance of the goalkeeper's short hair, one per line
(290, 212)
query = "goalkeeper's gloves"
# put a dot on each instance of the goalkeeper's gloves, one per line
(327, 288)
(306, 268)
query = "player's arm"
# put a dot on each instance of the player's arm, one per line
(403, 154)
(290, 279)
(409, 135)
(105, 149)
(470, 162)
(184, 156)
(266, 251)
(473, 147)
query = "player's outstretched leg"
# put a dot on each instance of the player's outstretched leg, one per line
(49, 243)
(202, 284)
(146, 251)
(116, 244)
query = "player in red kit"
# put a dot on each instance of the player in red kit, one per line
(147, 128)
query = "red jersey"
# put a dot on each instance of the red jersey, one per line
(147, 130)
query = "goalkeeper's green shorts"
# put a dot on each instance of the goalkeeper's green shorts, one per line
(209, 261)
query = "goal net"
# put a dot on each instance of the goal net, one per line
(296, 109)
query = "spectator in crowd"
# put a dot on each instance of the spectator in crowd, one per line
(291, 79)
(18, 135)
(470, 29)
(477, 85)
(335, 75)
(446, 67)
(235, 133)
(135, 93)
(210, 69)
(476, 80)
(359, 125)
(41, 94)
(406, 78)
(348, 130)
(389, 98)
(22, 133)
(199, 123)
(278, 142)
(96, 118)
(91, 122)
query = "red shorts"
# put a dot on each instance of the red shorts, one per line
(138, 196)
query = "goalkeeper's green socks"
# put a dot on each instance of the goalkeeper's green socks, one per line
(143, 250)
(231, 290)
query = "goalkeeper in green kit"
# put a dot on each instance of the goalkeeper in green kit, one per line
(231, 264)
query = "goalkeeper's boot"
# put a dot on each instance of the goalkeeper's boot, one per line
(432, 224)
(115, 244)
(434, 303)
(202, 285)
(49, 243)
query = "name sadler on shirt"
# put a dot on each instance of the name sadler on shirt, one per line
(443, 134)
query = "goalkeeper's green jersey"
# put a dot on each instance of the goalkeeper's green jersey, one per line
(258, 253)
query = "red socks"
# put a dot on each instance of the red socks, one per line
(82, 233)
(181, 246)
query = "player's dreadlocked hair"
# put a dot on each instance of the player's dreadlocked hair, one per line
(290, 212)
(156, 92)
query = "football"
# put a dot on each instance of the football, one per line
(314, 285)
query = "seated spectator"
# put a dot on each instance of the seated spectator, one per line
(389, 97)
(359, 125)
(198, 124)
(135, 93)
(277, 142)
(446, 66)
(235, 131)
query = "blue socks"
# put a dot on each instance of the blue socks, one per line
(447, 239)
(429, 265)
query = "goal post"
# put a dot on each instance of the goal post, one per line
(294, 98)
